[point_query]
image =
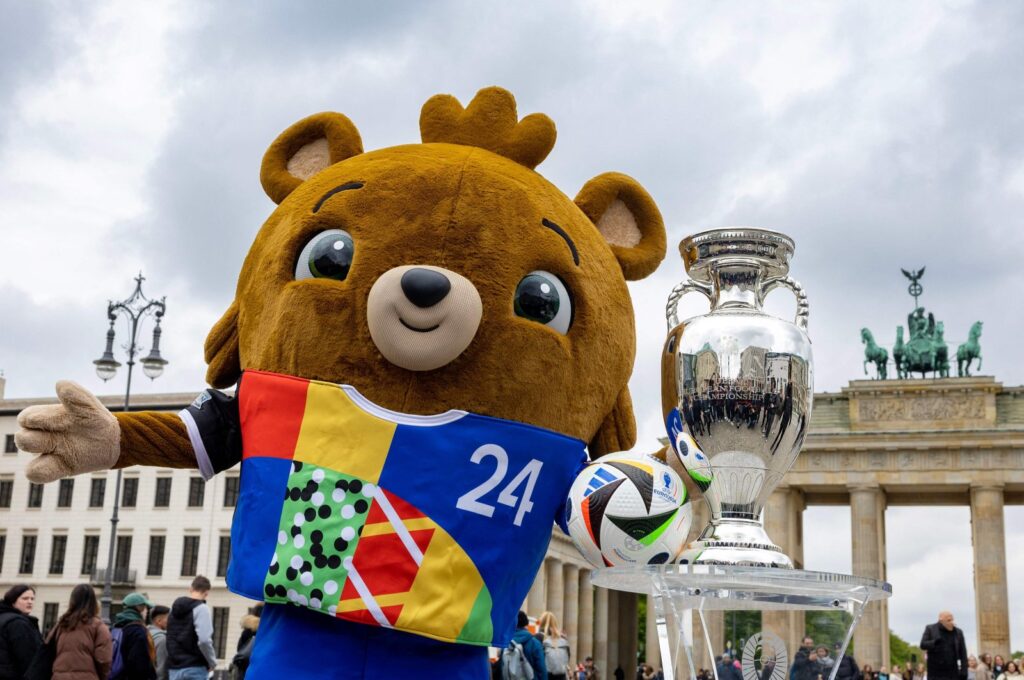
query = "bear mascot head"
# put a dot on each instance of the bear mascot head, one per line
(426, 340)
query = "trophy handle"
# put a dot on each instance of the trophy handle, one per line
(678, 292)
(802, 306)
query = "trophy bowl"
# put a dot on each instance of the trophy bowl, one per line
(737, 388)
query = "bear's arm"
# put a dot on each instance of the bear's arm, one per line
(156, 439)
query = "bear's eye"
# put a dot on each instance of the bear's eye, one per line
(542, 297)
(328, 255)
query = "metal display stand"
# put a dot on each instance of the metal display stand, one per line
(677, 591)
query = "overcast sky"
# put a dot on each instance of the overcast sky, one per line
(880, 136)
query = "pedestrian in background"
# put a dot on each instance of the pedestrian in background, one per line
(158, 631)
(947, 652)
(556, 647)
(19, 632)
(848, 669)
(190, 653)
(83, 640)
(1012, 672)
(132, 641)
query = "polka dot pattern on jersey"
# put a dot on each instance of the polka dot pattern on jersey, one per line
(322, 517)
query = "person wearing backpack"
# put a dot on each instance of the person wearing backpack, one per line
(134, 656)
(523, 658)
(83, 641)
(556, 647)
(19, 632)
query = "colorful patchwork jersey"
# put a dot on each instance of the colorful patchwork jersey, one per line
(435, 525)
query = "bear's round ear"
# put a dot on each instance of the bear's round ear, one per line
(306, 148)
(630, 222)
(223, 366)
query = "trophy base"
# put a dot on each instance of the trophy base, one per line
(735, 543)
(681, 596)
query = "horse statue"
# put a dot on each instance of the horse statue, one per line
(941, 351)
(969, 351)
(898, 350)
(874, 354)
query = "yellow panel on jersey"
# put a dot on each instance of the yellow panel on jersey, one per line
(363, 449)
(446, 569)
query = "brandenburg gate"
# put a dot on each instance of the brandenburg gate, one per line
(881, 443)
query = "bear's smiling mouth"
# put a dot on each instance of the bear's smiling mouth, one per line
(418, 330)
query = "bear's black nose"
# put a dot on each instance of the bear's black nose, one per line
(425, 287)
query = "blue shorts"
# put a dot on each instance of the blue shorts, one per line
(294, 642)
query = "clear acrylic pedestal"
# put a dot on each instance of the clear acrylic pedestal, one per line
(680, 592)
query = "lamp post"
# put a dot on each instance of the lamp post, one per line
(134, 309)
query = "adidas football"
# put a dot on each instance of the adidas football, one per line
(628, 509)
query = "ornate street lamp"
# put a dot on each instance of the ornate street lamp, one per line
(134, 308)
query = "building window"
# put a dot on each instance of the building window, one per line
(220, 629)
(35, 495)
(231, 491)
(97, 492)
(190, 556)
(155, 565)
(6, 491)
(60, 548)
(65, 492)
(9, 445)
(163, 492)
(196, 491)
(122, 556)
(50, 612)
(3, 549)
(223, 555)
(130, 492)
(28, 554)
(90, 552)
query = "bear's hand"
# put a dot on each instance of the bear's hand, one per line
(77, 435)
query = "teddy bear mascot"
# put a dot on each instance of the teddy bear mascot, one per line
(425, 341)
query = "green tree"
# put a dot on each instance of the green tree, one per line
(901, 651)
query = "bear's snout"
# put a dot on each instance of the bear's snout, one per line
(422, 317)
(425, 287)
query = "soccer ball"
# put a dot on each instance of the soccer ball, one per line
(628, 509)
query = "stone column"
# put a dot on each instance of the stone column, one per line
(570, 624)
(784, 520)
(555, 589)
(651, 637)
(989, 542)
(614, 649)
(536, 598)
(867, 515)
(586, 631)
(601, 630)
(628, 632)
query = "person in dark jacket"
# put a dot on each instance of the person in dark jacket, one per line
(848, 669)
(137, 652)
(726, 670)
(19, 632)
(190, 653)
(947, 652)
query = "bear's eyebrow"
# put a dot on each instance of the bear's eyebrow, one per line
(344, 187)
(561, 232)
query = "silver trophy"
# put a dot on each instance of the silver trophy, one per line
(737, 387)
